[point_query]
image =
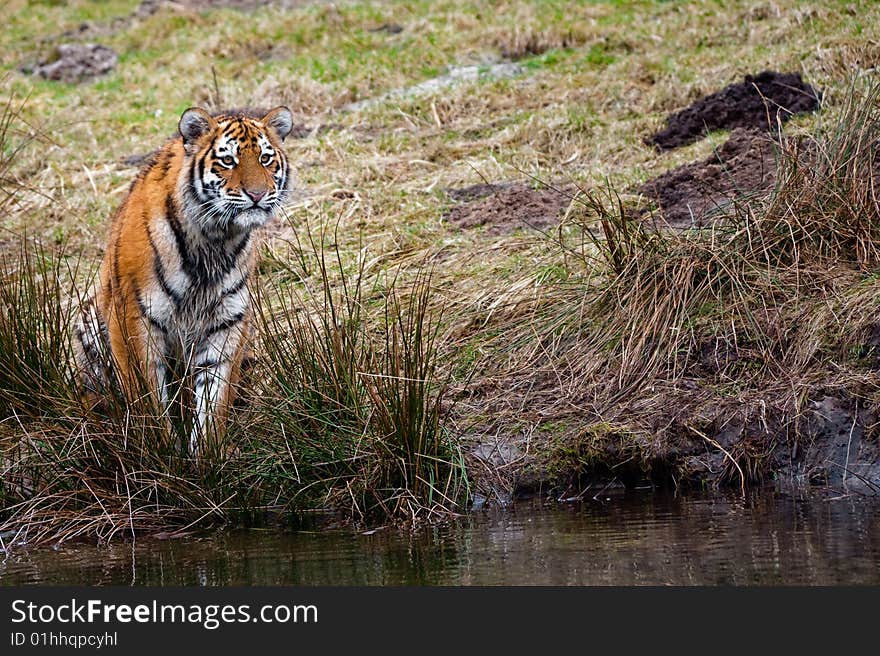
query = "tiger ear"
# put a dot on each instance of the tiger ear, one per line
(194, 123)
(280, 120)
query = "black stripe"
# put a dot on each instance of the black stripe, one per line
(239, 248)
(90, 349)
(105, 332)
(192, 178)
(225, 325)
(163, 163)
(186, 258)
(197, 168)
(203, 367)
(114, 274)
(237, 287)
(159, 270)
(200, 164)
(213, 261)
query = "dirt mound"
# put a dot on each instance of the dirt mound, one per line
(478, 191)
(75, 62)
(502, 208)
(689, 194)
(758, 102)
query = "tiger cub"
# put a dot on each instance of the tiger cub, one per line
(172, 293)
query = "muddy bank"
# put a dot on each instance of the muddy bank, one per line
(832, 447)
(501, 208)
(733, 358)
(687, 196)
(761, 102)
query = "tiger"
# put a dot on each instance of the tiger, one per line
(173, 285)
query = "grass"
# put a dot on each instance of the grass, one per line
(363, 397)
(596, 346)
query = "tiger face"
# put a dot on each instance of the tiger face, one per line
(236, 173)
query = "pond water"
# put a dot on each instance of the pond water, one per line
(630, 538)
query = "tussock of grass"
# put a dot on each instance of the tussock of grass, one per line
(363, 397)
(35, 349)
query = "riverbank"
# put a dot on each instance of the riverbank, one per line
(735, 348)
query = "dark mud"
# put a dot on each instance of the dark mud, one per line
(837, 449)
(388, 28)
(761, 102)
(689, 195)
(76, 62)
(477, 191)
(831, 447)
(503, 208)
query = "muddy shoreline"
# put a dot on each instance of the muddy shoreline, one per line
(830, 450)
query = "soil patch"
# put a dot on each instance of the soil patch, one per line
(761, 101)
(388, 28)
(477, 191)
(502, 208)
(688, 196)
(75, 62)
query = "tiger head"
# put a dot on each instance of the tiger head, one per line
(236, 173)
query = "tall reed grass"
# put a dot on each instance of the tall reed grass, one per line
(358, 382)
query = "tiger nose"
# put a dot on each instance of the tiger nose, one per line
(255, 195)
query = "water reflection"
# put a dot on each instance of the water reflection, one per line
(631, 539)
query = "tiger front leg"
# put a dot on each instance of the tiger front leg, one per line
(213, 366)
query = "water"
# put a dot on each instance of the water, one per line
(631, 538)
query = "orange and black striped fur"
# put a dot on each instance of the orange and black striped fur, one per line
(172, 293)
